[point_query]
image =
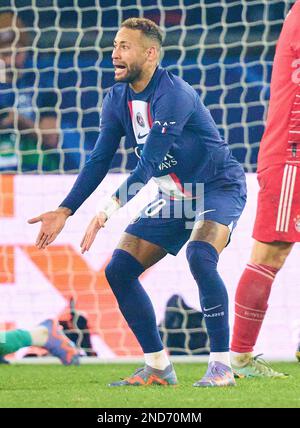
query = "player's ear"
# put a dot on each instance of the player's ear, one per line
(152, 53)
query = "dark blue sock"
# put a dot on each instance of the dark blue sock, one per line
(122, 274)
(203, 259)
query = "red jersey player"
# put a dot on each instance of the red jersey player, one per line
(277, 224)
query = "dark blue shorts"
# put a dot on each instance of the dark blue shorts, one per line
(169, 223)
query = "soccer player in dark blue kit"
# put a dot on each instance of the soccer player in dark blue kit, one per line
(179, 146)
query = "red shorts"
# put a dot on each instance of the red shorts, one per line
(278, 206)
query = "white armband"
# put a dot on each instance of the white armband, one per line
(109, 207)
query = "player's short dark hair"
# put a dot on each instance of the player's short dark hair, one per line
(146, 26)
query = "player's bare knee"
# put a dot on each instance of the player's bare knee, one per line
(275, 261)
(271, 254)
(211, 232)
(129, 243)
(143, 251)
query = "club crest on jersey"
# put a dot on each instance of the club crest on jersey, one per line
(140, 120)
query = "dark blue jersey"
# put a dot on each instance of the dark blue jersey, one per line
(173, 135)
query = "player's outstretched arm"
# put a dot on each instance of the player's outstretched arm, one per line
(93, 228)
(52, 224)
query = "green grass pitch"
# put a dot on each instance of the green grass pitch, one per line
(86, 386)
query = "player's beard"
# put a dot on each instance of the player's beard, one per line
(133, 74)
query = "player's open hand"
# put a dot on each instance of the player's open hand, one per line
(93, 228)
(52, 223)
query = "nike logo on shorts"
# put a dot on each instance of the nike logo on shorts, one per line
(204, 212)
(210, 309)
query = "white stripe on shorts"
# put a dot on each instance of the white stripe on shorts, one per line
(286, 198)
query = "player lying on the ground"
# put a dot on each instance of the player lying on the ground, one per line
(277, 224)
(178, 144)
(46, 335)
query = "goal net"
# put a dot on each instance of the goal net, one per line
(223, 48)
(55, 70)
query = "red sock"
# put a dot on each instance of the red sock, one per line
(251, 303)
